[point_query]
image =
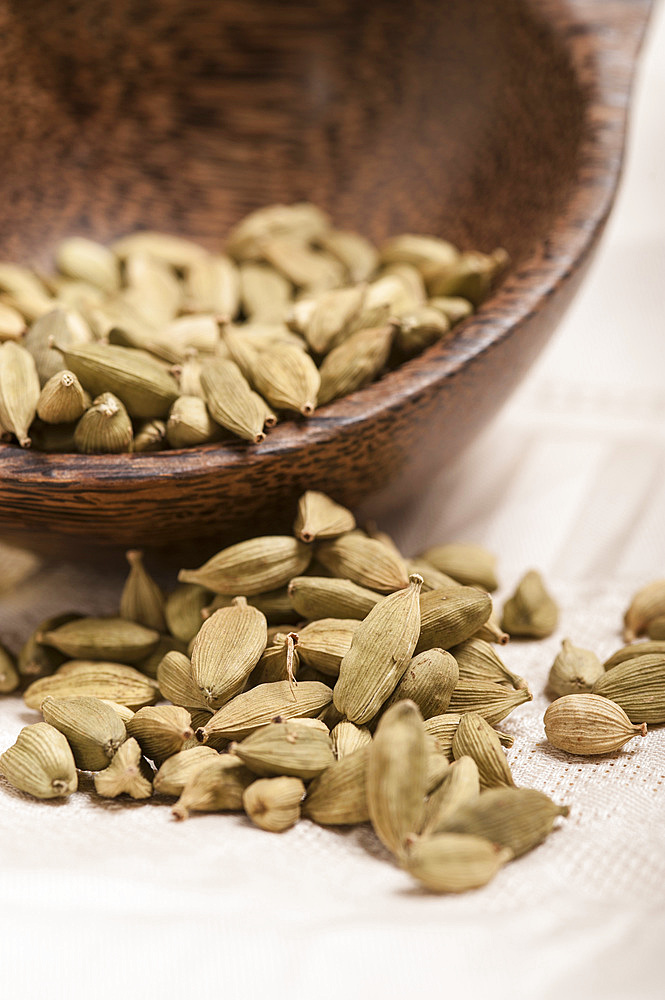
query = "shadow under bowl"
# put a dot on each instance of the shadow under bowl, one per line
(497, 122)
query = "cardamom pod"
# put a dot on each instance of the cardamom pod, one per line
(274, 803)
(212, 284)
(648, 603)
(104, 428)
(284, 748)
(177, 770)
(422, 252)
(347, 738)
(19, 391)
(470, 277)
(438, 764)
(226, 650)
(638, 686)
(150, 436)
(530, 612)
(338, 797)
(574, 670)
(12, 323)
(111, 639)
(259, 706)
(470, 565)
(94, 679)
(62, 326)
(354, 363)
(190, 424)
(232, 402)
(316, 597)
(418, 328)
(320, 517)
(364, 561)
(379, 654)
(355, 252)
(216, 787)
(477, 739)
(127, 774)
(88, 261)
(252, 567)
(516, 818)
(35, 658)
(309, 269)
(453, 307)
(142, 600)
(301, 221)
(589, 724)
(477, 661)
(161, 731)
(491, 631)
(176, 251)
(176, 682)
(634, 649)
(449, 616)
(139, 381)
(92, 728)
(265, 293)
(429, 681)
(455, 862)
(493, 701)
(40, 763)
(323, 643)
(397, 776)
(286, 376)
(183, 610)
(460, 785)
(325, 320)
(26, 291)
(63, 399)
(445, 726)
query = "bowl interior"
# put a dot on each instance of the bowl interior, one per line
(460, 119)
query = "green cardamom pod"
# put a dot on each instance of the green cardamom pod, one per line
(638, 686)
(574, 670)
(320, 517)
(477, 739)
(274, 803)
(226, 650)
(40, 763)
(338, 797)
(127, 774)
(252, 567)
(379, 654)
(367, 562)
(93, 729)
(516, 818)
(140, 382)
(530, 612)
(454, 862)
(104, 428)
(161, 731)
(449, 616)
(285, 748)
(315, 597)
(260, 705)
(589, 724)
(460, 785)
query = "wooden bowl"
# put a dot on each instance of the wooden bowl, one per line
(497, 122)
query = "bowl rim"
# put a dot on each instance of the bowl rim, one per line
(606, 83)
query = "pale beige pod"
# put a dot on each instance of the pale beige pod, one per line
(397, 776)
(274, 803)
(379, 654)
(19, 391)
(589, 724)
(40, 763)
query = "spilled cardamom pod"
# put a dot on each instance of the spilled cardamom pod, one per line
(364, 561)
(574, 670)
(530, 612)
(475, 738)
(92, 728)
(320, 517)
(285, 748)
(455, 862)
(274, 803)
(226, 650)
(338, 797)
(127, 774)
(260, 705)
(40, 763)
(589, 724)
(252, 567)
(638, 686)
(516, 818)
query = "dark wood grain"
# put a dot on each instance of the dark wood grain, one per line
(490, 122)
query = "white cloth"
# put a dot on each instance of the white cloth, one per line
(105, 898)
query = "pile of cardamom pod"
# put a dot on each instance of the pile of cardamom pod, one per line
(324, 675)
(153, 342)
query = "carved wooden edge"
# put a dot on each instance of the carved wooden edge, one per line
(603, 39)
